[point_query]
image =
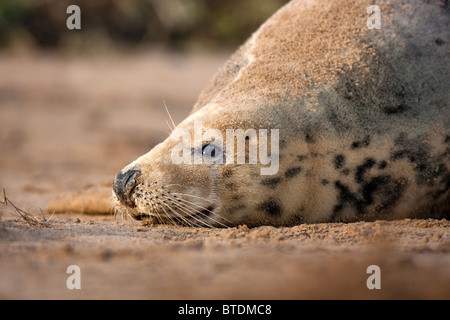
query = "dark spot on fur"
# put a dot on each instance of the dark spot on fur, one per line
(394, 191)
(297, 219)
(271, 207)
(344, 192)
(440, 170)
(419, 155)
(339, 161)
(237, 197)
(368, 190)
(398, 155)
(271, 182)
(302, 157)
(400, 93)
(361, 170)
(446, 187)
(437, 194)
(292, 172)
(386, 190)
(227, 172)
(325, 182)
(309, 138)
(336, 209)
(396, 110)
(439, 41)
(382, 165)
(346, 171)
(334, 118)
(344, 196)
(447, 139)
(360, 144)
(230, 186)
(446, 182)
(356, 145)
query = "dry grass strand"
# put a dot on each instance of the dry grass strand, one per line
(26, 215)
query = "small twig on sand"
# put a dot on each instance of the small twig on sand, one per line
(26, 215)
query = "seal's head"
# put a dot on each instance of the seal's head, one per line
(206, 173)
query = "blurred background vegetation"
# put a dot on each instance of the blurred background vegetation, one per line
(172, 24)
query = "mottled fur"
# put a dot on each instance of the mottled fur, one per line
(364, 121)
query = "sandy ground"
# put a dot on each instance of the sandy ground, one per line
(69, 124)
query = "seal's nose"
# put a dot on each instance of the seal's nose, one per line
(124, 185)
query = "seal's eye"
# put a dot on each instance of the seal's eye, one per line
(212, 153)
(209, 150)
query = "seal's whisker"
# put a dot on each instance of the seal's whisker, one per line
(170, 117)
(160, 220)
(203, 214)
(192, 213)
(129, 215)
(123, 215)
(173, 184)
(118, 213)
(174, 222)
(180, 217)
(168, 215)
(171, 129)
(186, 221)
(118, 210)
(190, 195)
(205, 209)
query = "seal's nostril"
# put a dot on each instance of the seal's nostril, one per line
(124, 185)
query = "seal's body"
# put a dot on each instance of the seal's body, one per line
(363, 118)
